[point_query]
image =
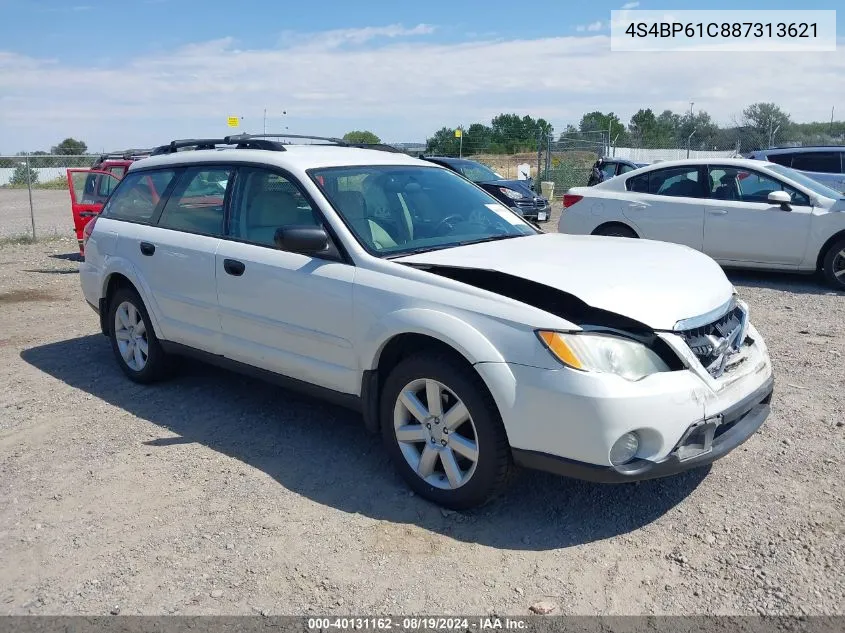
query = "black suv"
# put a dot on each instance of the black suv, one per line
(516, 194)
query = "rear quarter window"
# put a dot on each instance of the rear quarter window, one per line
(638, 184)
(138, 196)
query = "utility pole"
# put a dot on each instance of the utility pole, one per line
(265, 120)
(832, 108)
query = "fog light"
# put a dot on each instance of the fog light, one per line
(624, 449)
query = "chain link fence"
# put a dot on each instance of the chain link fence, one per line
(34, 197)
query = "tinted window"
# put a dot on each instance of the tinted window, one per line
(822, 162)
(780, 159)
(609, 170)
(742, 185)
(624, 169)
(675, 181)
(638, 183)
(264, 202)
(393, 210)
(138, 195)
(196, 204)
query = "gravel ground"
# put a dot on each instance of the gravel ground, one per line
(51, 208)
(218, 494)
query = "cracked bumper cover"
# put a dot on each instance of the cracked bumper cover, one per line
(720, 435)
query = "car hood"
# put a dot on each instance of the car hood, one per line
(654, 283)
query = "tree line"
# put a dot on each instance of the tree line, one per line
(761, 125)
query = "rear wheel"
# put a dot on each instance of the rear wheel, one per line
(443, 431)
(833, 265)
(133, 340)
(614, 230)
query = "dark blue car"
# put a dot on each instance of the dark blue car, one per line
(516, 194)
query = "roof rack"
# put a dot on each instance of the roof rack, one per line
(262, 141)
(126, 154)
(241, 142)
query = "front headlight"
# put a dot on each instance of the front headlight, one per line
(605, 353)
(510, 193)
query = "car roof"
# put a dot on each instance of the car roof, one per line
(293, 158)
(737, 162)
(802, 149)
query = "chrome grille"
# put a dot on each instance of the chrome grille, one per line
(714, 343)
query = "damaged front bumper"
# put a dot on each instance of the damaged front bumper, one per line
(566, 421)
(703, 443)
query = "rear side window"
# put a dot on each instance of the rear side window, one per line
(138, 195)
(196, 204)
(780, 159)
(638, 184)
(821, 162)
(624, 169)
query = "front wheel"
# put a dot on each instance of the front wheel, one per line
(443, 431)
(833, 265)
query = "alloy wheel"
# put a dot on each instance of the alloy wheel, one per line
(436, 434)
(131, 336)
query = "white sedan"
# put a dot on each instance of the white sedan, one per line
(742, 213)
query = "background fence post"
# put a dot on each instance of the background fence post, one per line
(29, 188)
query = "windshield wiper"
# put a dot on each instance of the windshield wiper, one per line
(428, 249)
(492, 238)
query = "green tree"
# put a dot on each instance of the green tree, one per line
(478, 139)
(600, 122)
(20, 177)
(361, 136)
(443, 143)
(767, 123)
(69, 147)
(702, 128)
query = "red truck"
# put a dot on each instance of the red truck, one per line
(90, 188)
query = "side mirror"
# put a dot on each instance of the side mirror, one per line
(782, 198)
(307, 240)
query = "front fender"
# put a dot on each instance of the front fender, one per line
(458, 334)
(121, 266)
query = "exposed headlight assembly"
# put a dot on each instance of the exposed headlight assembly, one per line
(605, 353)
(510, 193)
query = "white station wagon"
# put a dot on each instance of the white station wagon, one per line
(468, 338)
(743, 213)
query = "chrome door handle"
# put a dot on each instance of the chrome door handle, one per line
(717, 212)
(637, 205)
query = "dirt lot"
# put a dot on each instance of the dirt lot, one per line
(52, 213)
(215, 493)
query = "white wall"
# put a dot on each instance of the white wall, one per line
(45, 174)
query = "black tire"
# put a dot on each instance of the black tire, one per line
(833, 263)
(158, 364)
(614, 230)
(494, 463)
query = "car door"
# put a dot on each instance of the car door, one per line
(666, 204)
(741, 225)
(174, 220)
(89, 189)
(282, 311)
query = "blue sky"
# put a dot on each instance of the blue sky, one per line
(138, 72)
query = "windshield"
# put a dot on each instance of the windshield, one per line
(397, 210)
(814, 185)
(477, 172)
